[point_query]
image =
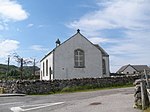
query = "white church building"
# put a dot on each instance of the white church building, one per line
(77, 57)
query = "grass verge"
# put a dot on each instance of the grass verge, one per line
(90, 88)
(147, 110)
(85, 88)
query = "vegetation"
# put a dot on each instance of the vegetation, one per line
(84, 89)
(14, 72)
(147, 110)
(89, 88)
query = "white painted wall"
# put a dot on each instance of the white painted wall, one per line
(129, 70)
(50, 64)
(64, 59)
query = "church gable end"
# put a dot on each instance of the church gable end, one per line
(77, 57)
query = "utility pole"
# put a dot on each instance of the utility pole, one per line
(34, 68)
(8, 66)
(21, 68)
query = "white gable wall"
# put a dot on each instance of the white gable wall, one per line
(64, 59)
(129, 70)
(44, 75)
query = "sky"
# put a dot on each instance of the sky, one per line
(31, 27)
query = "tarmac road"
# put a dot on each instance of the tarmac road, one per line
(113, 100)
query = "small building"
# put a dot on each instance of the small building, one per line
(77, 57)
(133, 69)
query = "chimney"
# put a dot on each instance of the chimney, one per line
(57, 42)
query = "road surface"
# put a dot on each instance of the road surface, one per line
(113, 100)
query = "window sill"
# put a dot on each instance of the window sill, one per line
(79, 67)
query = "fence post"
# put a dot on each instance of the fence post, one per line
(144, 95)
(146, 77)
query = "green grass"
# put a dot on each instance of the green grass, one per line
(85, 88)
(147, 110)
(90, 88)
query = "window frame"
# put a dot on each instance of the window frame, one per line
(79, 58)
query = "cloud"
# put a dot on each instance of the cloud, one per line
(18, 29)
(30, 25)
(1, 27)
(7, 47)
(126, 26)
(11, 10)
(118, 14)
(87, 6)
(38, 48)
(96, 40)
(41, 26)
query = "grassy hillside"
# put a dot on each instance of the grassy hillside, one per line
(3, 68)
(14, 71)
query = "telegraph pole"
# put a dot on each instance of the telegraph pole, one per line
(8, 66)
(21, 68)
(34, 68)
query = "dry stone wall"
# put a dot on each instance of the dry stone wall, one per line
(46, 87)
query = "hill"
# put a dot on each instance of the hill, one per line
(14, 71)
(3, 68)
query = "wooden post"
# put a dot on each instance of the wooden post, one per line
(144, 95)
(146, 79)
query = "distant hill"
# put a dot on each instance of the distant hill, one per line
(27, 70)
(3, 68)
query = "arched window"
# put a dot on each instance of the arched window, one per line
(79, 58)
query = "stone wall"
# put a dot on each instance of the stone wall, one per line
(141, 94)
(46, 87)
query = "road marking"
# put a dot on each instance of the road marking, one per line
(38, 106)
(10, 103)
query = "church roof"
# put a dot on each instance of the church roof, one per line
(78, 32)
(104, 53)
(138, 68)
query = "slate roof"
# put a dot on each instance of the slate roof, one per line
(141, 67)
(138, 68)
(104, 53)
(122, 68)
